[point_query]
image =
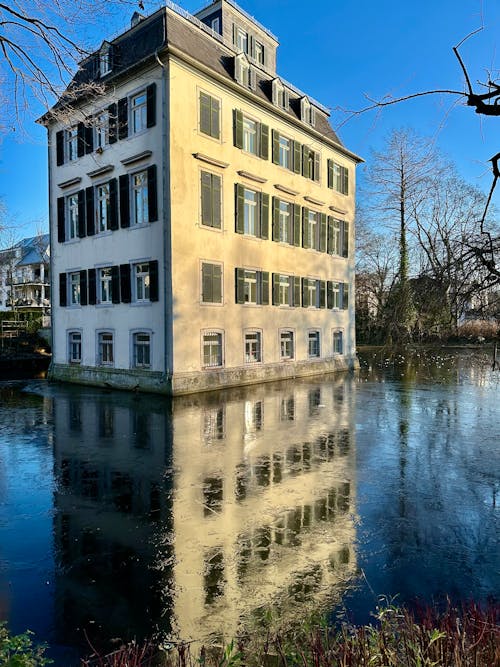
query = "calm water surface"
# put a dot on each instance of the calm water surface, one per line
(125, 515)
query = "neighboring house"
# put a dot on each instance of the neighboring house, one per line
(201, 214)
(25, 275)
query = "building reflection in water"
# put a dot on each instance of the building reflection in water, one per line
(193, 517)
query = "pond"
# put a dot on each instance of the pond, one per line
(122, 515)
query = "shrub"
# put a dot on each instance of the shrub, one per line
(19, 651)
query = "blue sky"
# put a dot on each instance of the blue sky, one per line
(336, 51)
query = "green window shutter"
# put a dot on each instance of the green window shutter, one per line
(264, 215)
(264, 288)
(205, 113)
(61, 224)
(276, 219)
(276, 289)
(322, 233)
(322, 293)
(115, 284)
(240, 208)
(154, 293)
(152, 194)
(238, 128)
(306, 241)
(125, 283)
(216, 201)
(297, 154)
(329, 237)
(296, 291)
(60, 148)
(264, 141)
(206, 199)
(330, 173)
(317, 165)
(345, 239)
(305, 162)
(217, 283)
(240, 285)
(151, 105)
(81, 214)
(276, 147)
(113, 204)
(63, 290)
(345, 181)
(296, 225)
(305, 293)
(329, 295)
(124, 201)
(215, 118)
(84, 296)
(345, 296)
(206, 283)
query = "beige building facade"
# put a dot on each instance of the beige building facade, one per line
(202, 214)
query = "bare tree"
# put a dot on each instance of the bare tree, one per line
(40, 48)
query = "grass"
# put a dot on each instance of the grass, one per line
(465, 636)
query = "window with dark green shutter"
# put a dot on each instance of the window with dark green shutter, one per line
(154, 284)
(338, 177)
(252, 212)
(115, 284)
(263, 141)
(345, 296)
(252, 287)
(152, 194)
(209, 115)
(211, 283)
(211, 186)
(83, 288)
(63, 290)
(113, 204)
(124, 201)
(345, 238)
(92, 284)
(90, 211)
(125, 286)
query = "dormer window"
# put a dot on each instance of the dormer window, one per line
(307, 112)
(105, 65)
(281, 96)
(259, 53)
(240, 39)
(243, 72)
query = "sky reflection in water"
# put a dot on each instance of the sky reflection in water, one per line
(122, 515)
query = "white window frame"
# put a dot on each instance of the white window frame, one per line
(74, 288)
(75, 345)
(285, 287)
(287, 344)
(250, 212)
(105, 286)
(215, 348)
(284, 222)
(105, 348)
(285, 154)
(71, 143)
(250, 135)
(101, 130)
(141, 282)
(139, 360)
(252, 341)
(139, 193)
(102, 207)
(215, 24)
(336, 295)
(71, 216)
(251, 287)
(104, 62)
(313, 228)
(241, 40)
(337, 341)
(138, 115)
(314, 344)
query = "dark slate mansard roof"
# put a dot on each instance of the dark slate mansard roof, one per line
(141, 44)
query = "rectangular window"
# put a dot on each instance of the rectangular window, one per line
(252, 287)
(74, 289)
(105, 349)
(310, 163)
(140, 198)
(211, 187)
(335, 295)
(286, 345)
(75, 347)
(138, 112)
(313, 344)
(338, 177)
(312, 293)
(103, 208)
(141, 281)
(105, 285)
(72, 217)
(285, 222)
(338, 343)
(334, 236)
(101, 130)
(209, 115)
(212, 349)
(71, 143)
(259, 53)
(250, 134)
(241, 40)
(285, 287)
(211, 283)
(285, 152)
(250, 224)
(253, 347)
(311, 229)
(104, 62)
(142, 350)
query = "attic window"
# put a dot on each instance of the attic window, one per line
(105, 61)
(244, 73)
(307, 112)
(281, 96)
